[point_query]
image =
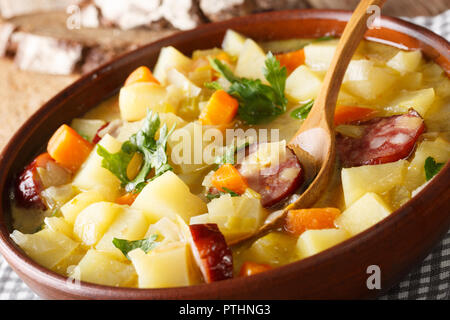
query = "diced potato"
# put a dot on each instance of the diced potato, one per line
(318, 55)
(405, 61)
(303, 84)
(233, 42)
(275, 248)
(101, 268)
(130, 224)
(170, 120)
(378, 178)
(136, 99)
(251, 61)
(346, 99)
(169, 58)
(167, 196)
(72, 208)
(200, 219)
(169, 266)
(167, 230)
(92, 223)
(438, 116)
(420, 100)
(87, 127)
(127, 129)
(236, 217)
(46, 247)
(66, 265)
(179, 80)
(439, 149)
(92, 176)
(366, 80)
(187, 145)
(312, 242)
(60, 225)
(184, 230)
(379, 52)
(443, 87)
(364, 213)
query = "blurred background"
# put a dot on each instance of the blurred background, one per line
(47, 44)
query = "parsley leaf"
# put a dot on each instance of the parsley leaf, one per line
(302, 111)
(117, 163)
(276, 76)
(432, 168)
(126, 246)
(211, 196)
(258, 102)
(143, 141)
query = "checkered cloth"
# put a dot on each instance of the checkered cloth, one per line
(430, 280)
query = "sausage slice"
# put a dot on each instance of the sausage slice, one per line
(383, 140)
(211, 251)
(273, 179)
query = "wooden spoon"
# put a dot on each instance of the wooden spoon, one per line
(314, 142)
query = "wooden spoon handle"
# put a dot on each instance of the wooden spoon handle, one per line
(348, 43)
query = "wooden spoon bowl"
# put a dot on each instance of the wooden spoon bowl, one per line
(395, 244)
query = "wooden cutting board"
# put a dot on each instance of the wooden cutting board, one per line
(22, 93)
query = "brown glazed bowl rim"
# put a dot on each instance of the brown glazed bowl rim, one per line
(53, 281)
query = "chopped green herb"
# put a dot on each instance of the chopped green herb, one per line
(126, 246)
(214, 85)
(229, 153)
(230, 192)
(258, 102)
(302, 111)
(324, 38)
(153, 151)
(211, 196)
(432, 168)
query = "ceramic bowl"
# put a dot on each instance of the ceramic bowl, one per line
(395, 244)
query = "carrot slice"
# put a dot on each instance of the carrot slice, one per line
(221, 109)
(141, 74)
(291, 60)
(223, 56)
(127, 198)
(227, 177)
(250, 268)
(298, 221)
(68, 148)
(347, 114)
